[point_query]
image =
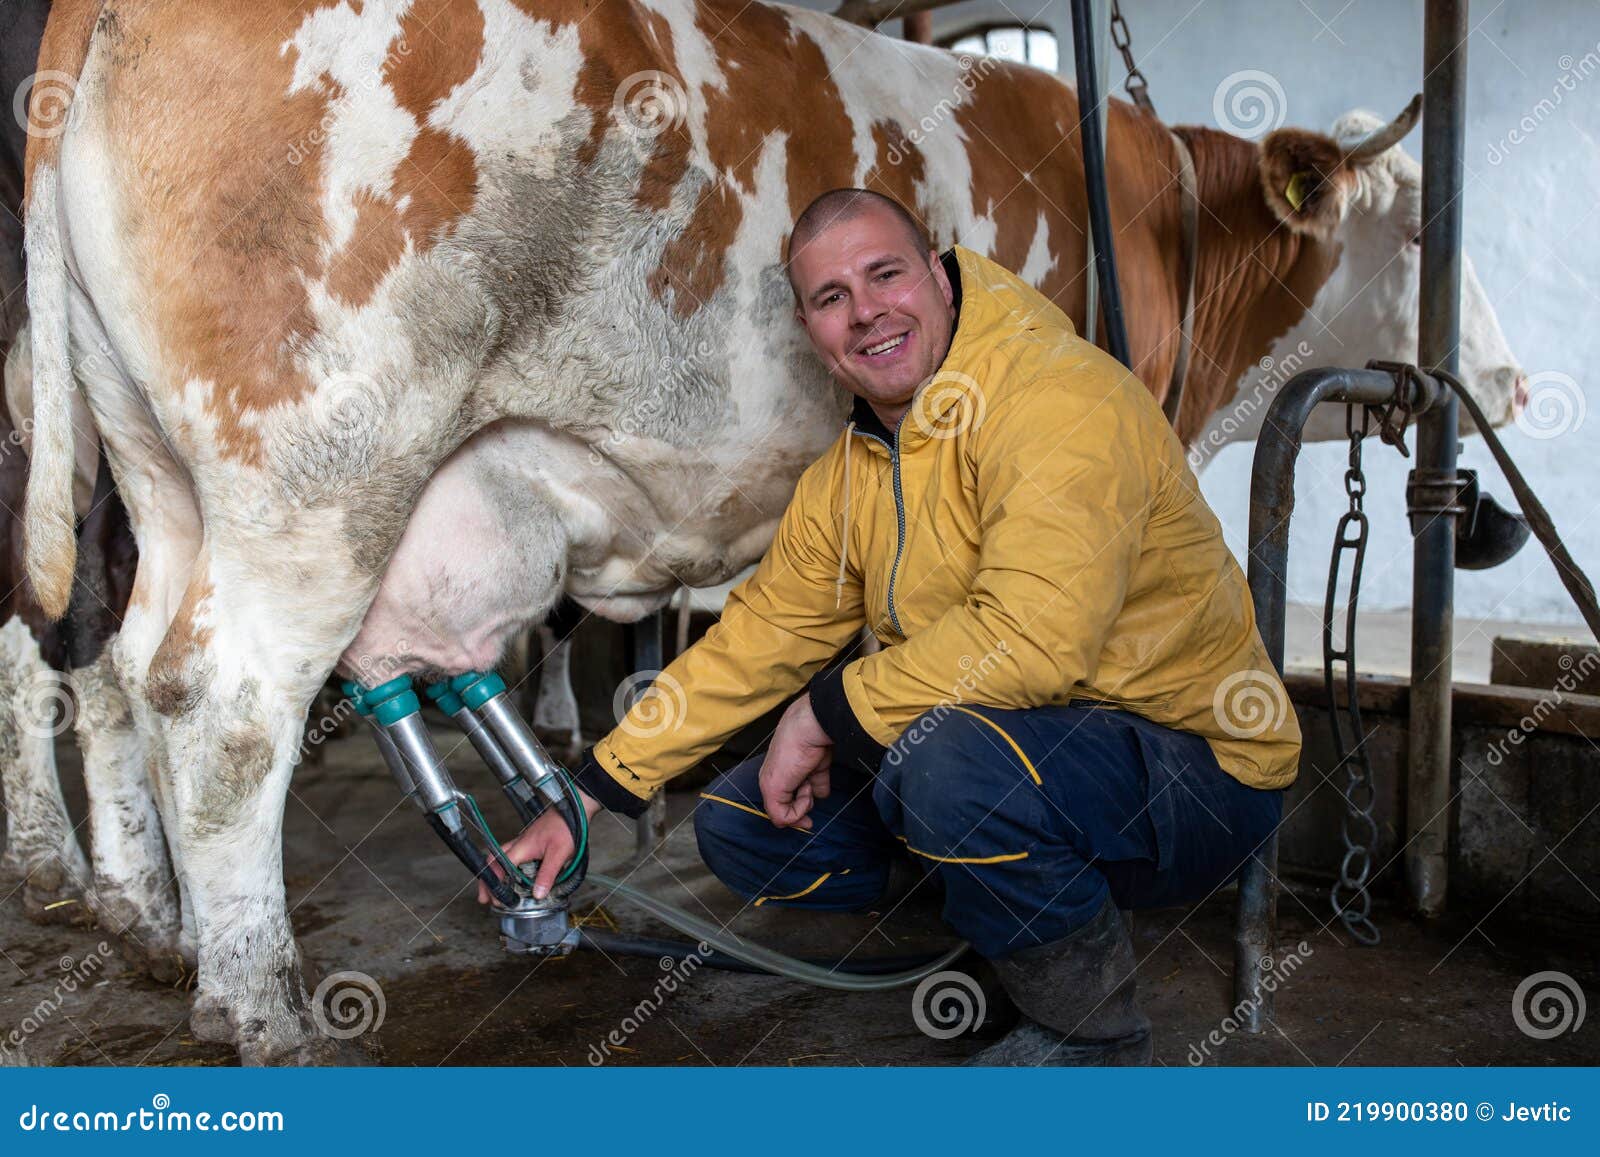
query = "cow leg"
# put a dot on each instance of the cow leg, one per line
(233, 679)
(555, 711)
(152, 737)
(41, 846)
(133, 886)
(167, 524)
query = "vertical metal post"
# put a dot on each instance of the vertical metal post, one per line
(644, 654)
(1256, 907)
(1092, 142)
(1433, 528)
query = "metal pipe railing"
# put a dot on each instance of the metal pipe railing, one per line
(1434, 486)
(1271, 506)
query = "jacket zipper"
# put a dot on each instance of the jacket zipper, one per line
(900, 517)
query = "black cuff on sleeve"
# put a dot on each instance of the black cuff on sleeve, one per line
(832, 709)
(598, 782)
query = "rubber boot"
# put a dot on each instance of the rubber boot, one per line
(1078, 1000)
(908, 885)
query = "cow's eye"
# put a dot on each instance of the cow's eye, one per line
(1416, 240)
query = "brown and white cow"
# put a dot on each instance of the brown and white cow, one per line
(424, 313)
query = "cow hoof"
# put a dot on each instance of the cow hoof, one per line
(208, 1020)
(161, 961)
(51, 896)
(320, 1052)
(121, 915)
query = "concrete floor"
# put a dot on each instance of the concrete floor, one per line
(372, 891)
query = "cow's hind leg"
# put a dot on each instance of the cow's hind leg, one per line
(234, 677)
(169, 544)
(134, 894)
(556, 718)
(41, 846)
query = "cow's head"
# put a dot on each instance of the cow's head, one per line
(1356, 191)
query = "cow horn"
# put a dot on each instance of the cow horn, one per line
(1386, 137)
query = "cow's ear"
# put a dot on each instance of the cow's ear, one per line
(1304, 181)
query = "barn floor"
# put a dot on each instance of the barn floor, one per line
(372, 891)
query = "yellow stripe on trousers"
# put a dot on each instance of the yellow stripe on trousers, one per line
(1026, 762)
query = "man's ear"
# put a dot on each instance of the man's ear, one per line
(800, 316)
(936, 267)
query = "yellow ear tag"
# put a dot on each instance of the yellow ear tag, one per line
(1299, 188)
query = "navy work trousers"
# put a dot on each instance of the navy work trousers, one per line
(1028, 817)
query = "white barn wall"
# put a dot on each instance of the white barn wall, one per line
(1532, 228)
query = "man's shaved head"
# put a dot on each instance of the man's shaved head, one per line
(840, 205)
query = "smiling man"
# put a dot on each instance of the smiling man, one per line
(1072, 710)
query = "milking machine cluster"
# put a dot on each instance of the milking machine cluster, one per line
(534, 782)
(531, 780)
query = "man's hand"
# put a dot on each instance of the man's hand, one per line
(795, 772)
(547, 840)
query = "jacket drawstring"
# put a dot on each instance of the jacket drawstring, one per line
(844, 540)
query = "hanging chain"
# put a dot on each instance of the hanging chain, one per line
(1138, 88)
(1352, 903)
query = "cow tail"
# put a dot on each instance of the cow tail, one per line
(50, 542)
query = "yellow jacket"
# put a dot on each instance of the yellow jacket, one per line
(1036, 538)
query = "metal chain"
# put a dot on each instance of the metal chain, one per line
(1352, 903)
(1138, 88)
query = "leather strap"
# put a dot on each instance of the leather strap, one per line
(1189, 223)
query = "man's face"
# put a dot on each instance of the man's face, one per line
(878, 311)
